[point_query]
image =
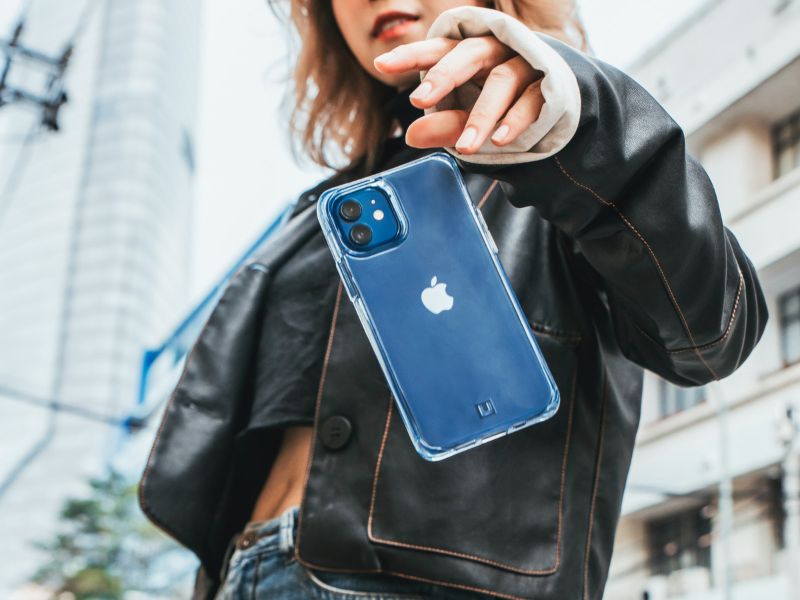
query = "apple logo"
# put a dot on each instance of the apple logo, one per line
(435, 298)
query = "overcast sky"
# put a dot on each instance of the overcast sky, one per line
(245, 171)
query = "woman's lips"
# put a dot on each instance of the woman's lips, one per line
(391, 26)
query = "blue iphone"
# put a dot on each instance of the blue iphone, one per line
(422, 271)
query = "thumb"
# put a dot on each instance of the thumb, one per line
(437, 129)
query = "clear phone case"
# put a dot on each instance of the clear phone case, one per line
(455, 347)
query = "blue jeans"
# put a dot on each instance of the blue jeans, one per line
(263, 566)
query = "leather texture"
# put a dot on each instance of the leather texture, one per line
(618, 255)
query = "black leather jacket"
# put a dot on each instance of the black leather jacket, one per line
(618, 255)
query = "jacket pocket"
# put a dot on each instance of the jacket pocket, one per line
(500, 503)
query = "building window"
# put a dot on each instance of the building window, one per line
(789, 310)
(680, 541)
(786, 141)
(775, 511)
(674, 399)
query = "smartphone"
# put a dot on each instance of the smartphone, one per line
(422, 271)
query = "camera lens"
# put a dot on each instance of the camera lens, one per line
(350, 210)
(361, 234)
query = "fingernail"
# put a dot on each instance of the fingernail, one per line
(386, 57)
(500, 134)
(466, 139)
(423, 90)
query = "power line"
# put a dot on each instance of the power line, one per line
(88, 9)
(17, 169)
(54, 96)
(53, 407)
(24, 11)
(48, 104)
(14, 139)
(35, 450)
(58, 406)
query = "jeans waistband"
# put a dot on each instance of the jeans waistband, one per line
(282, 525)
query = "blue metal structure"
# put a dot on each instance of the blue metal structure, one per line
(161, 366)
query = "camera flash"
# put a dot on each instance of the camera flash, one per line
(378, 215)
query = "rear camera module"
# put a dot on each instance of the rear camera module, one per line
(350, 210)
(365, 220)
(361, 234)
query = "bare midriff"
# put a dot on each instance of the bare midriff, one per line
(284, 485)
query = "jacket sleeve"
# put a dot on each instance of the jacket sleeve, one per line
(684, 298)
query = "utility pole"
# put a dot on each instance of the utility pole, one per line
(789, 434)
(725, 491)
(47, 101)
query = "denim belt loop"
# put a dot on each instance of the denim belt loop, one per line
(286, 531)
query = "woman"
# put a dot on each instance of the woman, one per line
(585, 184)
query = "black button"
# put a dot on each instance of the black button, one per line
(335, 431)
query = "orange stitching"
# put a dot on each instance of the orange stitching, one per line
(708, 345)
(486, 194)
(482, 201)
(727, 329)
(146, 509)
(326, 360)
(564, 461)
(332, 333)
(378, 466)
(310, 565)
(407, 576)
(595, 487)
(474, 557)
(652, 256)
(457, 585)
(572, 338)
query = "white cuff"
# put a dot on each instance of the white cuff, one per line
(559, 117)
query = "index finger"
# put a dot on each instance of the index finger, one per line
(414, 55)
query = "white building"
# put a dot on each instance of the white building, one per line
(730, 75)
(94, 245)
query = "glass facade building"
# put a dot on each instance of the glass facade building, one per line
(95, 223)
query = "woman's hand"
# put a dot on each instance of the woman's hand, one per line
(510, 94)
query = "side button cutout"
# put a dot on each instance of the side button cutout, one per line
(344, 273)
(486, 230)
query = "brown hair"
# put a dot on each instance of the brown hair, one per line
(337, 106)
